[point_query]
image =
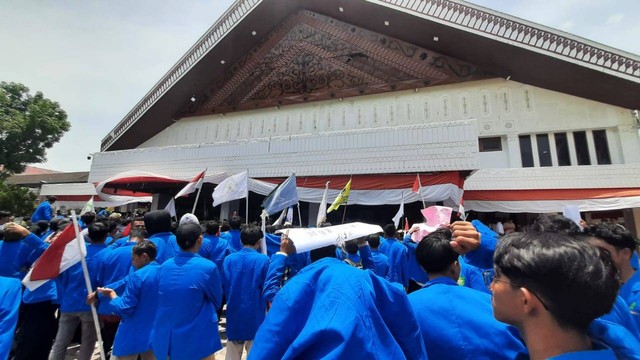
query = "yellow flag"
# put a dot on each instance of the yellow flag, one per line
(342, 198)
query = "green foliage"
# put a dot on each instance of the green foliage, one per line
(29, 125)
(16, 199)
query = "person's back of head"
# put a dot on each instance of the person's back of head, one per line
(88, 218)
(42, 226)
(374, 241)
(137, 234)
(212, 228)
(235, 223)
(145, 247)
(251, 235)
(270, 229)
(53, 224)
(323, 252)
(574, 281)
(389, 231)
(98, 232)
(52, 199)
(188, 218)
(351, 247)
(225, 226)
(555, 224)
(158, 221)
(435, 254)
(614, 235)
(187, 236)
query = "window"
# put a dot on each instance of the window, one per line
(490, 144)
(582, 148)
(544, 149)
(526, 153)
(602, 147)
(562, 149)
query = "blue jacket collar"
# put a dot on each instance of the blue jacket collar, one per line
(441, 280)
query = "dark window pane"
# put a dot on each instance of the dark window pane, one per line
(582, 148)
(544, 149)
(525, 151)
(562, 149)
(602, 147)
(490, 144)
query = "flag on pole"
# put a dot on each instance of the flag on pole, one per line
(461, 214)
(88, 207)
(171, 207)
(416, 184)
(62, 253)
(193, 185)
(283, 196)
(232, 188)
(342, 198)
(280, 219)
(290, 215)
(399, 214)
(406, 225)
(322, 210)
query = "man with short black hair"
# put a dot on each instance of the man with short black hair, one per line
(397, 254)
(213, 247)
(244, 276)
(551, 287)
(380, 260)
(457, 332)
(233, 236)
(189, 292)
(137, 306)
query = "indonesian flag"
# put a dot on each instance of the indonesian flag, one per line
(461, 214)
(416, 184)
(193, 185)
(62, 253)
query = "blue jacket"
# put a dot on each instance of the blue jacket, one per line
(137, 307)
(166, 245)
(214, 248)
(416, 272)
(10, 294)
(471, 276)
(622, 315)
(233, 238)
(630, 287)
(116, 244)
(186, 324)
(244, 275)
(331, 310)
(43, 212)
(398, 260)
(74, 290)
(468, 331)
(624, 344)
(483, 256)
(114, 265)
(274, 280)
(381, 263)
(15, 258)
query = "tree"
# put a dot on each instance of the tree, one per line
(29, 125)
(16, 199)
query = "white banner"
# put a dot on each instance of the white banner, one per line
(315, 238)
(231, 188)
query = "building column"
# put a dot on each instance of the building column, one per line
(513, 149)
(227, 209)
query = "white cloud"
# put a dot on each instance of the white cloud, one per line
(615, 19)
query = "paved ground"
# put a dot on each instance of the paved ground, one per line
(72, 351)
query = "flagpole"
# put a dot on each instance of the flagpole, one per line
(87, 282)
(299, 214)
(195, 204)
(420, 190)
(246, 211)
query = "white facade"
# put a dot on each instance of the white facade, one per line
(502, 108)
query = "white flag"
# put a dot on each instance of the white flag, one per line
(290, 215)
(232, 188)
(88, 207)
(399, 214)
(280, 220)
(193, 185)
(322, 210)
(171, 207)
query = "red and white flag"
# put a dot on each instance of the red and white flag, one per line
(62, 253)
(193, 185)
(416, 184)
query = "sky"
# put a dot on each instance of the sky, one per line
(99, 58)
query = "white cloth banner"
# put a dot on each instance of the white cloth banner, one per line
(315, 238)
(232, 188)
(550, 206)
(322, 209)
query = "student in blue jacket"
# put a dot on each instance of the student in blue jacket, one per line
(380, 260)
(189, 292)
(397, 254)
(467, 330)
(44, 211)
(244, 275)
(158, 226)
(137, 306)
(233, 236)
(10, 293)
(73, 307)
(551, 287)
(331, 310)
(213, 247)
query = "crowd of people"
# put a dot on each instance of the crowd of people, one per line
(556, 291)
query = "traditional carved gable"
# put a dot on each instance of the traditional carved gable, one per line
(311, 57)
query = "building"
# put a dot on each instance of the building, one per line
(529, 117)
